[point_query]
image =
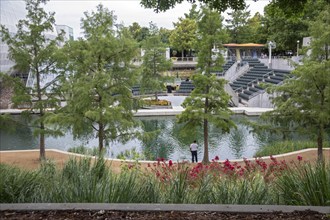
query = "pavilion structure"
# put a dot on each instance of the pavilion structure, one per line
(240, 51)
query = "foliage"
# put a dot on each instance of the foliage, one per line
(285, 147)
(305, 184)
(99, 98)
(220, 5)
(304, 100)
(35, 52)
(237, 26)
(208, 102)
(183, 37)
(155, 102)
(154, 63)
(86, 150)
(138, 33)
(165, 36)
(286, 25)
(257, 30)
(93, 181)
(131, 154)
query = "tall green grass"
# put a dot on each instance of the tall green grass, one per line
(305, 184)
(86, 150)
(286, 147)
(92, 180)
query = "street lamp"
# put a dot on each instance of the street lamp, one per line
(271, 45)
(298, 48)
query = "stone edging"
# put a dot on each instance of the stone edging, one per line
(162, 207)
(146, 161)
(175, 110)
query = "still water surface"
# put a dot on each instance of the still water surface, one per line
(168, 143)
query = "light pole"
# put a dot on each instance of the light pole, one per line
(298, 48)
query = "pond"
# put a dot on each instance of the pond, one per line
(168, 143)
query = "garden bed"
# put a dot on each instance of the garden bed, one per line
(150, 215)
(153, 104)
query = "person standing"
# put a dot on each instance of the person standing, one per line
(193, 150)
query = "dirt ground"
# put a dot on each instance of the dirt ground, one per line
(84, 214)
(29, 159)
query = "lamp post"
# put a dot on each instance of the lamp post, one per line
(298, 48)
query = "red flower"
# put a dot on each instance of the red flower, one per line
(170, 163)
(216, 158)
(299, 158)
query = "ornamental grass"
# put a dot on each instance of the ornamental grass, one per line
(92, 181)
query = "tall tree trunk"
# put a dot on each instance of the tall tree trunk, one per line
(101, 137)
(206, 145)
(42, 142)
(206, 131)
(182, 54)
(41, 113)
(320, 143)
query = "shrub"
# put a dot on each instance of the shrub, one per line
(305, 184)
(92, 180)
(86, 150)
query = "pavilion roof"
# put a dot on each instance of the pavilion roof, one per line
(250, 45)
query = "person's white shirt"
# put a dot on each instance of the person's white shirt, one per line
(193, 147)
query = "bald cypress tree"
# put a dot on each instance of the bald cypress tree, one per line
(208, 102)
(304, 99)
(99, 97)
(34, 49)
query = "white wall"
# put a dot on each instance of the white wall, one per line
(279, 63)
(262, 101)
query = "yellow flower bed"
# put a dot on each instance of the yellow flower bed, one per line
(159, 102)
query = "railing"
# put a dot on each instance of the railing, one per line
(236, 71)
(255, 81)
(184, 59)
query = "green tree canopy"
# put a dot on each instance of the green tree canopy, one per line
(154, 64)
(257, 30)
(34, 50)
(282, 29)
(183, 37)
(305, 98)
(99, 98)
(291, 7)
(237, 26)
(139, 33)
(220, 5)
(208, 102)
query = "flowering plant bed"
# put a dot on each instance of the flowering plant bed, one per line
(252, 182)
(160, 104)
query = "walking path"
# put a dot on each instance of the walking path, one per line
(175, 110)
(29, 159)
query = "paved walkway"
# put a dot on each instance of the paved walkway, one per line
(162, 207)
(175, 110)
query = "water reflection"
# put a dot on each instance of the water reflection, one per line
(237, 140)
(20, 138)
(167, 140)
(158, 145)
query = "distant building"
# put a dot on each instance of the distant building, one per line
(67, 30)
(10, 13)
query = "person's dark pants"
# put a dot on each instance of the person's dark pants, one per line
(194, 156)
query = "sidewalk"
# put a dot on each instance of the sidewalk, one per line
(250, 111)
